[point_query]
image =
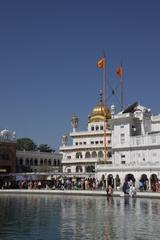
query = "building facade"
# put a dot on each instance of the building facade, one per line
(133, 147)
(36, 161)
(7, 151)
(87, 148)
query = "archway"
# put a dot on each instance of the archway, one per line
(87, 155)
(78, 168)
(154, 182)
(94, 154)
(143, 184)
(78, 155)
(130, 177)
(118, 181)
(110, 180)
(100, 154)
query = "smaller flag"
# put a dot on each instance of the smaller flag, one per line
(119, 71)
(101, 63)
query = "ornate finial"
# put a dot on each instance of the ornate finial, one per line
(100, 94)
(113, 110)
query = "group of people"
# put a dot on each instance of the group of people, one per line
(129, 188)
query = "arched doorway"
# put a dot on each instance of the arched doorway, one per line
(143, 183)
(110, 180)
(154, 182)
(118, 181)
(100, 154)
(78, 168)
(130, 177)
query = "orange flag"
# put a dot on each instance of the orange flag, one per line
(119, 71)
(101, 63)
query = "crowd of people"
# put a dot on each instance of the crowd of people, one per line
(73, 183)
(54, 184)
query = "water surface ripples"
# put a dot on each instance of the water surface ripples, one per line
(46, 217)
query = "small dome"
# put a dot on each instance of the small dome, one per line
(99, 113)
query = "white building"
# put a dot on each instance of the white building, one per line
(133, 146)
(87, 148)
(36, 161)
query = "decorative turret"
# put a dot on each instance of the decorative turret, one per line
(64, 140)
(113, 110)
(74, 122)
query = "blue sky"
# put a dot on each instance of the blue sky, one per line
(48, 55)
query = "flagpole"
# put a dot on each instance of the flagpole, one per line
(105, 110)
(122, 96)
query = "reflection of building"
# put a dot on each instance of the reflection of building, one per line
(7, 151)
(88, 146)
(36, 161)
(133, 146)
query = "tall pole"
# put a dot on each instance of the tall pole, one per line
(122, 100)
(102, 64)
(105, 110)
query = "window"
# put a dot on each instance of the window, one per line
(21, 161)
(92, 142)
(101, 142)
(92, 128)
(123, 159)
(68, 157)
(87, 155)
(122, 138)
(100, 154)
(96, 142)
(68, 170)
(97, 128)
(109, 141)
(35, 162)
(101, 127)
(78, 155)
(94, 154)
(49, 162)
(76, 143)
(84, 143)
(122, 126)
(109, 154)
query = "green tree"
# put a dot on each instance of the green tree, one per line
(25, 144)
(45, 148)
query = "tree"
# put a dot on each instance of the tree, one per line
(25, 144)
(45, 148)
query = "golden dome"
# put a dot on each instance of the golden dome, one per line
(99, 113)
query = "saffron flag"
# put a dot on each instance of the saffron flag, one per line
(119, 71)
(101, 63)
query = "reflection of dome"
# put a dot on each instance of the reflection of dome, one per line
(99, 113)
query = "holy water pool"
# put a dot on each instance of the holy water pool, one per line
(49, 217)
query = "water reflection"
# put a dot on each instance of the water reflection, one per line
(39, 217)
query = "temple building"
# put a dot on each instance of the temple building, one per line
(132, 146)
(87, 148)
